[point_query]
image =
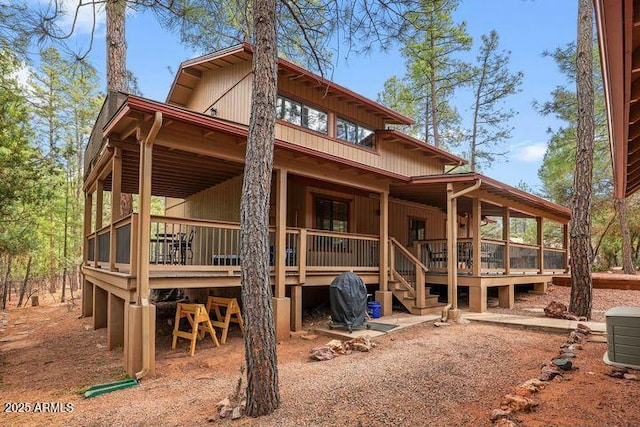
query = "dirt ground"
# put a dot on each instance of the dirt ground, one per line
(420, 376)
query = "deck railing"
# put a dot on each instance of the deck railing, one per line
(188, 244)
(522, 258)
(407, 269)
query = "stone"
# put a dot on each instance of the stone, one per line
(503, 422)
(585, 328)
(497, 414)
(549, 373)
(359, 344)
(519, 403)
(564, 364)
(555, 309)
(309, 337)
(618, 372)
(574, 347)
(236, 413)
(224, 402)
(213, 418)
(439, 324)
(631, 377)
(323, 352)
(567, 355)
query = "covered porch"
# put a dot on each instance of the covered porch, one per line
(502, 237)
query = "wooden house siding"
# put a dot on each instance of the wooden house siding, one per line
(229, 89)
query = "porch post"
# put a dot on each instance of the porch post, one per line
(281, 232)
(383, 295)
(452, 247)
(477, 244)
(88, 206)
(565, 246)
(540, 231)
(506, 236)
(281, 305)
(99, 206)
(116, 184)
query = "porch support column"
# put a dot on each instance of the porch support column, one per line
(296, 308)
(116, 185)
(281, 305)
(140, 336)
(540, 240)
(383, 295)
(565, 246)
(477, 244)
(88, 207)
(99, 206)
(87, 298)
(452, 247)
(506, 236)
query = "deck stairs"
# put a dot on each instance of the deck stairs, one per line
(407, 281)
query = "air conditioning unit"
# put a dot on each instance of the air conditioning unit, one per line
(623, 337)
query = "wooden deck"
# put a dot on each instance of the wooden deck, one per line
(605, 281)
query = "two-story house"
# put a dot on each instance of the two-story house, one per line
(348, 194)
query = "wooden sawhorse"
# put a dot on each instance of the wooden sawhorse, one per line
(198, 318)
(231, 309)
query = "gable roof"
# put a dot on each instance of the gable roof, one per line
(190, 72)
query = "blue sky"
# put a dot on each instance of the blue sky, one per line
(526, 27)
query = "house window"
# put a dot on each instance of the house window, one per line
(417, 229)
(300, 114)
(354, 133)
(332, 215)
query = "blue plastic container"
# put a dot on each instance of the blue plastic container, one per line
(373, 308)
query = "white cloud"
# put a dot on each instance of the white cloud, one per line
(86, 15)
(529, 151)
(22, 75)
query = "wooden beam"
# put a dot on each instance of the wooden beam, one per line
(384, 242)
(634, 113)
(281, 233)
(635, 91)
(476, 238)
(634, 131)
(540, 240)
(506, 236)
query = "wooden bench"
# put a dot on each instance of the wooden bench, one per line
(231, 314)
(198, 318)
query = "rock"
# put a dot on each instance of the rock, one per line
(519, 403)
(236, 413)
(309, 337)
(439, 324)
(549, 373)
(87, 327)
(585, 328)
(631, 377)
(567, 355)
(213, 418)
(359, 344)
(503, 422)
(575, 337)
(556, 310)
(618, 372)
(323, 352)
(564, 364)
(498, 414)
(224, 402)
(493, 302)
(226, 411)
(574, 347)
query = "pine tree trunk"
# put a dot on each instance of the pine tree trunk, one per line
(23, 288)
(263, 396)
(627, 256)
(117, 66)
(581, 251)
(5, 282)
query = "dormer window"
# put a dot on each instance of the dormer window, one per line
(354, 133)
(300, 114)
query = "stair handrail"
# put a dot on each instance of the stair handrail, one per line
(408, 254)
(421, 269)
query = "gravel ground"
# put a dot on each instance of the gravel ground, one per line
(603, 299)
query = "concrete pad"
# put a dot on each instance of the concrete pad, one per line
(543, 323)
(401, 320)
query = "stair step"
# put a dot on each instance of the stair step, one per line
(421, 311)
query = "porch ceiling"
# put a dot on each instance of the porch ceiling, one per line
(175, 173)
(432, 190)
(618, 23)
